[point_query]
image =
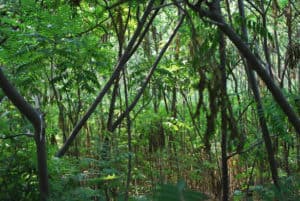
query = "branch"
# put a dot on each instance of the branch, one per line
(88, 30)
(244, 110)
(255, 7)
(148, 77)
(268, 6)
(141, 109)
(255, 64)
(145, 30)
(295, 7)
(25, 108)
(120, 65)
(251, 147)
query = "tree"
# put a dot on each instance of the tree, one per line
(37, 120)
(142, 94)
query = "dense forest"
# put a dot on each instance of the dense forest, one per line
(147, 100)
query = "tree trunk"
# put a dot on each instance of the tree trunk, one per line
(129, 163)
(265, 38)
(259, 106)
(36, 119)
(225, 177)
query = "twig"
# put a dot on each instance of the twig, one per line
(88, 30)
(244, 110)
(255, 7)
(258, 142)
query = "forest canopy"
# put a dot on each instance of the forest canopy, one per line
(149, 100)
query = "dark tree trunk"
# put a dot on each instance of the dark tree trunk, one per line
(129, 164)
(174, 100)
(112, 105)
(58, 100)
(259, 107)
(36, 119)
(286, 152)
(225, 177)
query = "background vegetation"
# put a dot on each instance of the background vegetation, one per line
(164, 101)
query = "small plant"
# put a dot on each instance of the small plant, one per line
(178, 192)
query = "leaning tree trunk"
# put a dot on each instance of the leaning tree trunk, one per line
(259, 106)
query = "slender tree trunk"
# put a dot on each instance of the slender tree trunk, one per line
(120, 32)
(265, 38)
(250, 180)
(165, 100)
(288, 15)
(286, 152)
(58, 99)
(172, 145)
(277, 45)
(155, 97)
(40, 141)
(225, 176)
(298, 151)
(278, 57)
(129, 164)
(112, 105)
(259, 106)
(229, 12)
(297, 100)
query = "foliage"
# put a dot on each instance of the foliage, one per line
(60, 54)
(289, 191)
(177, 192)
(18, 170)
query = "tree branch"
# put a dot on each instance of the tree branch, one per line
(120, 65)
(256, 64)
(148, 77)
